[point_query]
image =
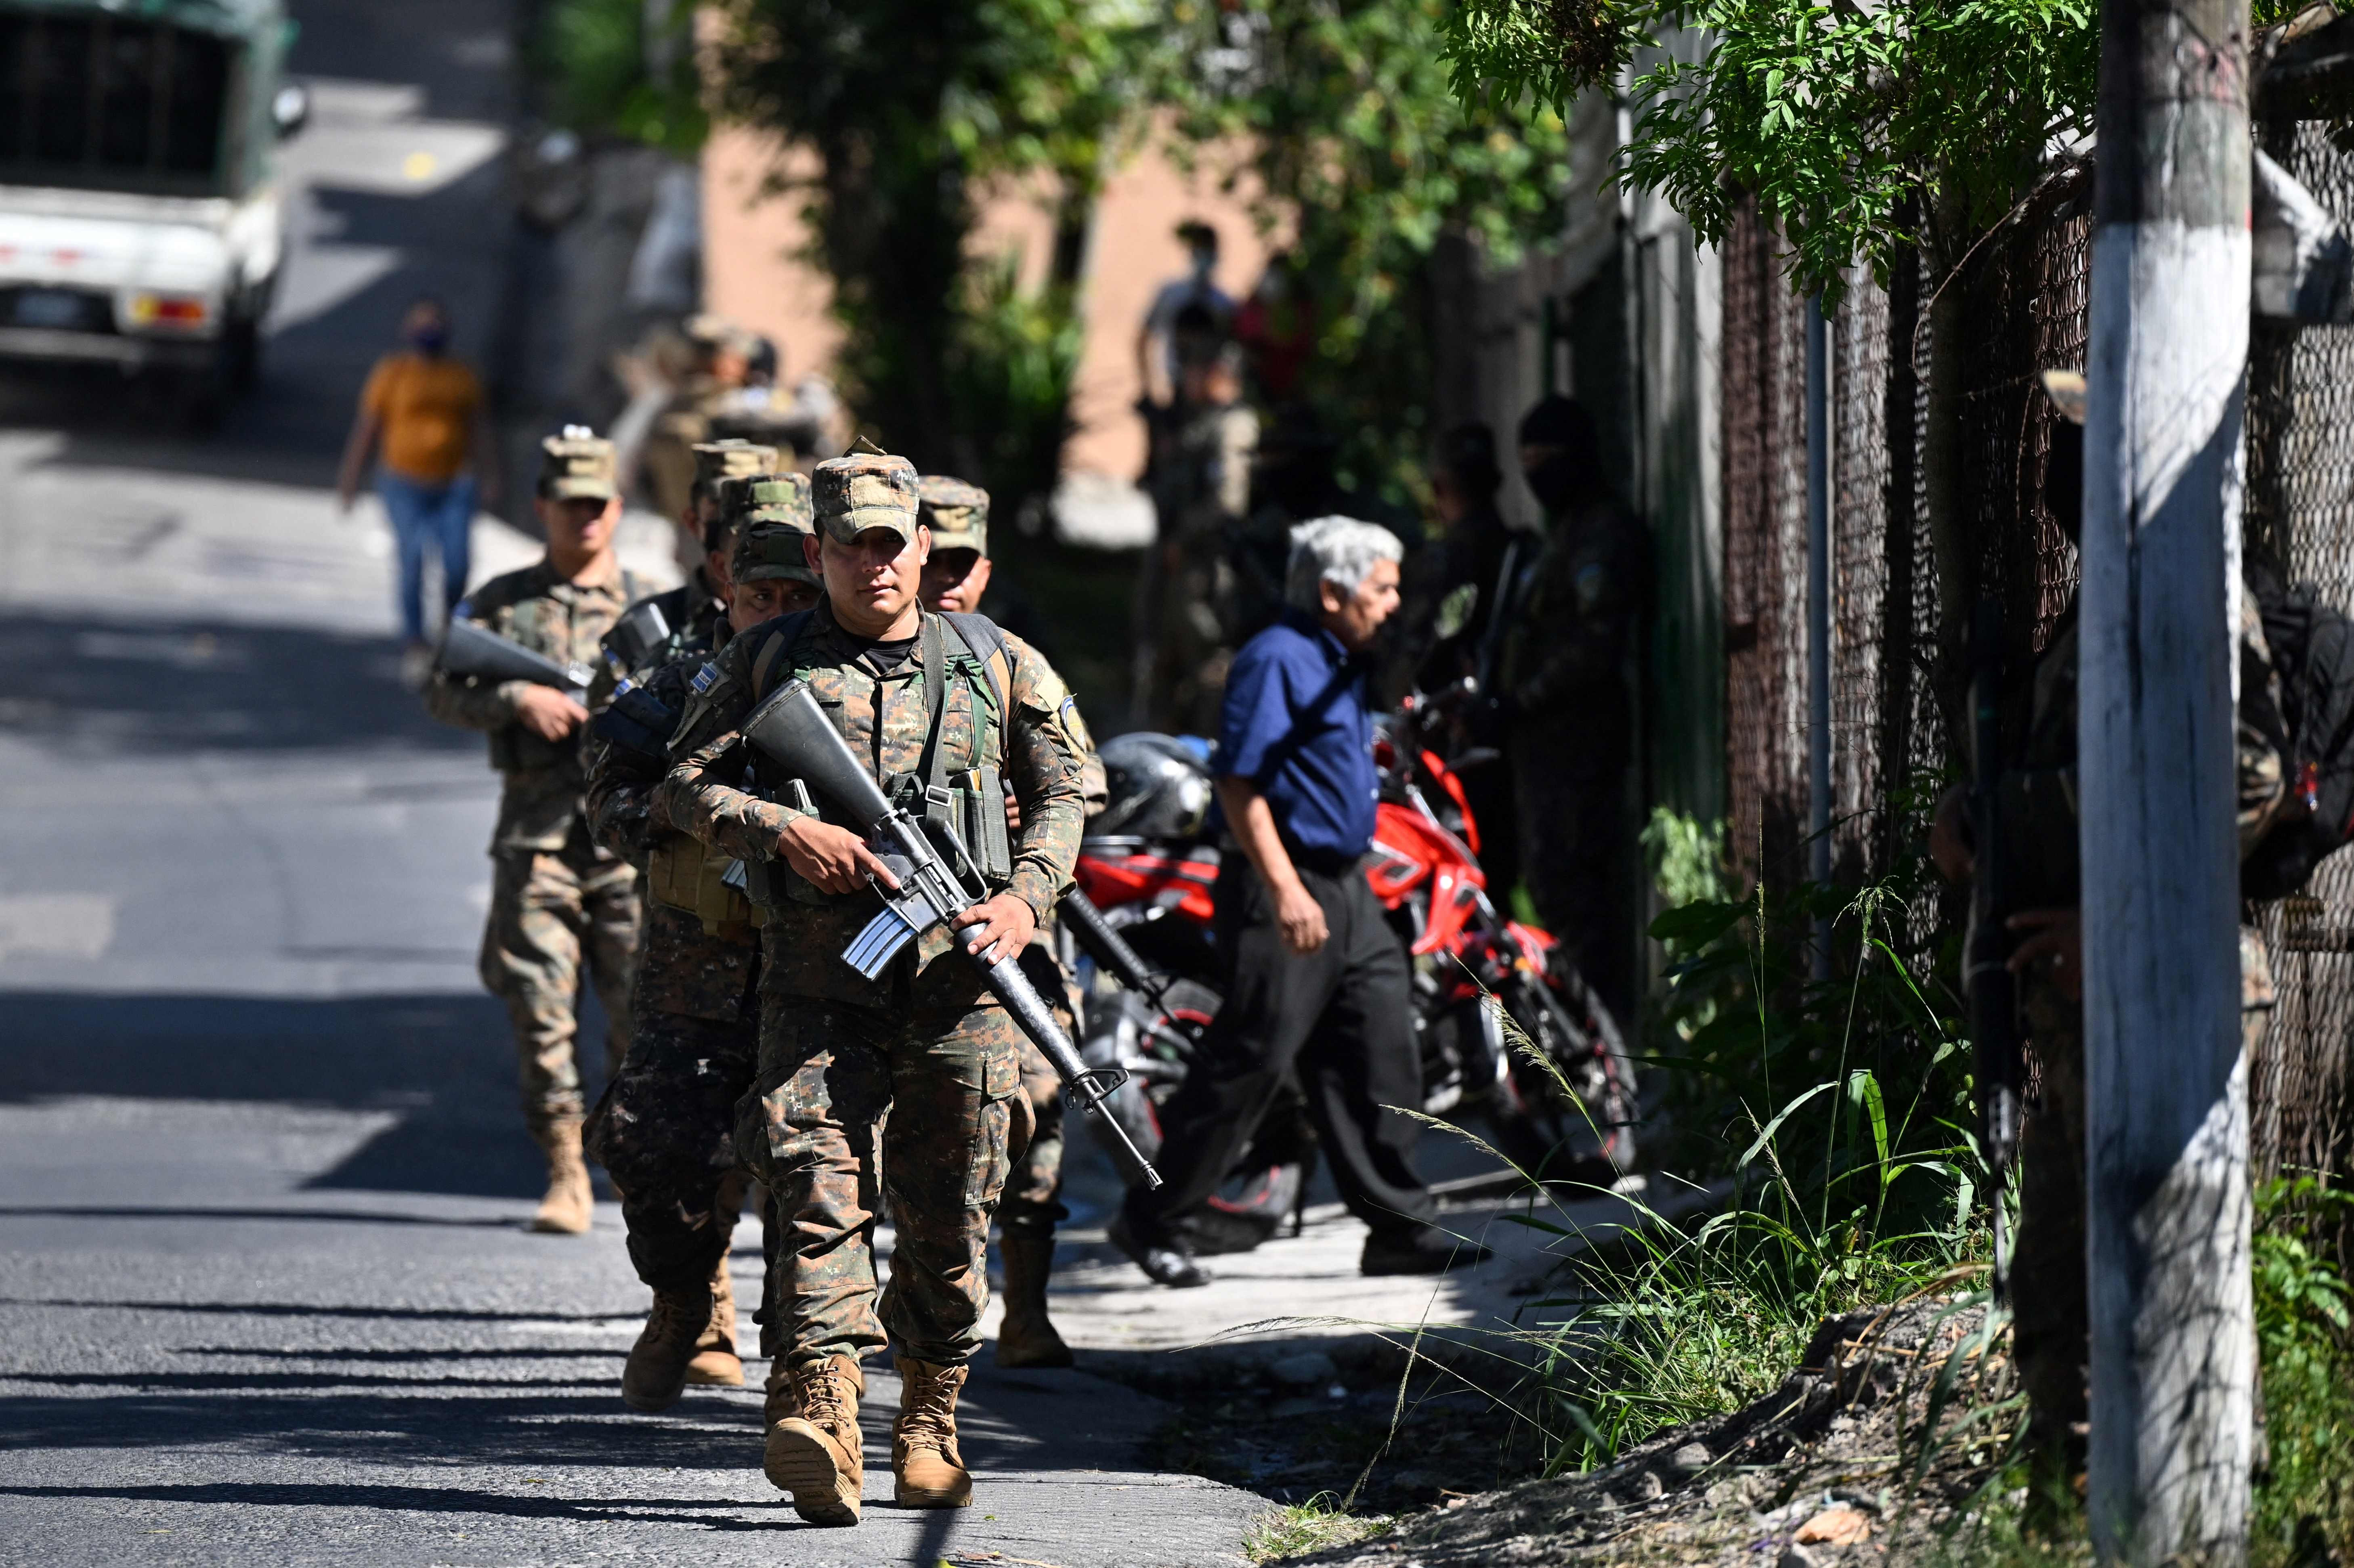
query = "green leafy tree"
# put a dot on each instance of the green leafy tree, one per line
(1859, 132)
(1340, 122)
(610, 67)
(912, 108)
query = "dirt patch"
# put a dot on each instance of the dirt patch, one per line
(1300, 1418)
(1831, 1468)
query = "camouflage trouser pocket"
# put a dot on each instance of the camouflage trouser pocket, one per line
(951, 1118)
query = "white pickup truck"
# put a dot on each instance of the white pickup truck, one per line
(140, 219)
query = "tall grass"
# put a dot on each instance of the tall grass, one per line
(1856, 1181)
(1833, 1103)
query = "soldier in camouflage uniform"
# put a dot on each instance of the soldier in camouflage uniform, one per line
(557, 898)
(697, 607)
(955, 579)
(2037, 824)
(929, 702)
(666, 1128)
(1567, 703)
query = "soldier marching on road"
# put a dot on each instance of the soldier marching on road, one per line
(955, 579)
(557, 898)
(697, 607)
(929, 703)
(665, 1126)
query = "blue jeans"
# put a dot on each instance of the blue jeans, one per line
(423, 515)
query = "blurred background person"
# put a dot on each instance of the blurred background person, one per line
(1277, 327)
(422, 418)
(1195, 291)
(1201, 490)
(694, 379)
(1446, 617)
(1565, 696)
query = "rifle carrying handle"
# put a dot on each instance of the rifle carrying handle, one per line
(1089, 1085)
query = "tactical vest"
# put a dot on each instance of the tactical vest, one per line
(686, 873)
(968, 803)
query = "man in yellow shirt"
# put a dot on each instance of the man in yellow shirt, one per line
(422, 417)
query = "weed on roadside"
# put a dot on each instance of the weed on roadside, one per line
(1317, 1525)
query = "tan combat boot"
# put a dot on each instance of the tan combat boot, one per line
(565, 1211)
(715, 1364)
(1027, 1337)
(812, 1450)
(656, 1370)
(926, 1468)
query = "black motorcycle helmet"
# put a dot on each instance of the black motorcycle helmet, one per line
(1159, 788)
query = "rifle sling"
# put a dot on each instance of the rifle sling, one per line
(934, 653)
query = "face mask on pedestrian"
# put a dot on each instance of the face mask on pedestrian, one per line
(1560, 479)
(428, 337)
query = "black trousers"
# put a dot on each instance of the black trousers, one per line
(1342, 1017)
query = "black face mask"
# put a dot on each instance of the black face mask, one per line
(1562, 480)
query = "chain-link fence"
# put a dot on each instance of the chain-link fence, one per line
(2301, 512)
(1897, 658)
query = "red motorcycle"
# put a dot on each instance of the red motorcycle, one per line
(1511, 1035)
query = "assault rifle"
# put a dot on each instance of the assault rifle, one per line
(470, 649)
(791, 731)
(637, 636)
(1993, 990)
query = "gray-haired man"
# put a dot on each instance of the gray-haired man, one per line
(1316, 982)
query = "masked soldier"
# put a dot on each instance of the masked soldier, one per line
(955, 579)
(557, 898)
(666, 1128)
(939, 708)
(1566, 700)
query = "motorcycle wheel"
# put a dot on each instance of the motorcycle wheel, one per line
(1578, 1125)
(1263, 1189)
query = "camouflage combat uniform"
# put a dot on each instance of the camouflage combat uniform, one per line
(666, 1128)
(1570, 734)
(926, 1042)
(2038, 828)
(958, 514)
(557, 898)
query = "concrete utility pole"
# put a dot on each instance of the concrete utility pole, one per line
(2173, 1351)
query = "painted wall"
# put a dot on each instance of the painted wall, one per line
(752, 275)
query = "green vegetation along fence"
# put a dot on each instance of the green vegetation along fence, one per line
(1896, 672)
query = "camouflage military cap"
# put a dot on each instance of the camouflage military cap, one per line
(731, 459)
(769, 548)
(577, 464)
(863, 491)
(956, 513)
(766, 498)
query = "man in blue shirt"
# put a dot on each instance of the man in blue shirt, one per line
(1316, 981)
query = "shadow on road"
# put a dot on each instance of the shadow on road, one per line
(504, 1427)
(445, 1061)
(443, 1499)
(85, 685)
(308, 1310)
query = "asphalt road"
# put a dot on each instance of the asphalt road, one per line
(265, 1295)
